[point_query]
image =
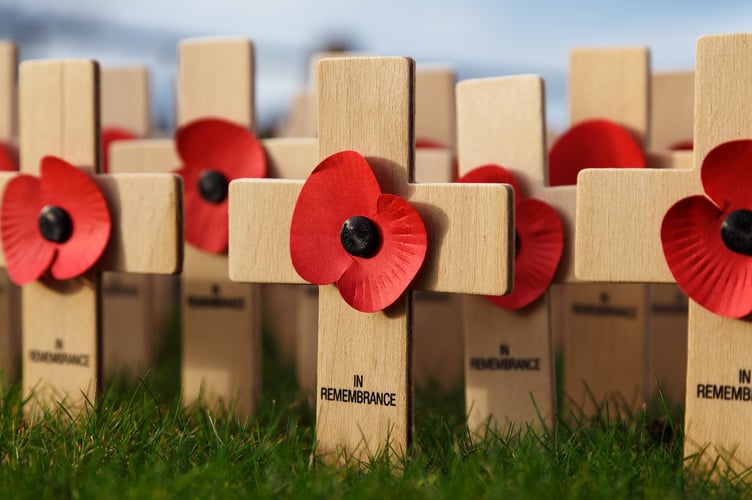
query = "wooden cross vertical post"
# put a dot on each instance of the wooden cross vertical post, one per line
(605, 325)
(221, 343)
(671, 123)
(366, 105)
(10, 328)
(502, 121)
(59, 110)
(619, 218)
(129, 302)
(437, 318)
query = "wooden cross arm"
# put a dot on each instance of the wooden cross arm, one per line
(144, 156)
(258, 247)
(619, 215)
(470, 234)
(147, 212)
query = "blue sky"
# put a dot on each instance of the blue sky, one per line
(481, 38)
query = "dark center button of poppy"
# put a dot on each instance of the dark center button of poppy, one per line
(360, 236)
(55, 224)
(736, 231)
(213, 186)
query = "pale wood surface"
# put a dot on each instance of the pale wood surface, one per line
(10, 327)
(222, 366)
(59, 109)
(59, 104)
(216, 80)
(437, 317)
(130, 306)
(671, 109)
(501, 397)
(605, 347)
(434, 105)
(290, 158)
(611, 83)
(671, 122)
(8, 90)
(145, 156)
(502, 121)
(723, 112)
(125, 99)
(380, 89)
(307, 337)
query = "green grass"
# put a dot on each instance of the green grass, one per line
(137, 441)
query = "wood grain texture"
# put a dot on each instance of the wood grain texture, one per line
(59, 110)
(8, 90)
(667, 342)
(723, 112)
(125, 99)
(290, 158)
(216, 79)
(497, 397)
(605, 349)
(147, 156)
(129, 302)
(502, 121)
(434, 105)
(671, 109)
(59, 107)
(611, 83)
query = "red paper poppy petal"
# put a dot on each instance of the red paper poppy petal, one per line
(726, 175)
(8, 159)
(541, 242)
(222, 146)
(592, 144)
(373, 284)
(69, 188)
(427, 144)
(712, 275)
(207, 226)
(340, 187)
(111, 135)
(27, 253)
(492, 174)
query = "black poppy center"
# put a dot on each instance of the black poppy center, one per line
(736, 231)
(360, 236)
(213, 186)
(55, 224)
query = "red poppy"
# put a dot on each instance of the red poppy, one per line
(8, 158)
(539, 241)
(707, 240)
(109, 136)
(592, 144)
(214, 152)
(687, 145)
(345, 231)
(58, 221)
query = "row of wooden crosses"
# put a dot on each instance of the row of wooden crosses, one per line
(441, 229)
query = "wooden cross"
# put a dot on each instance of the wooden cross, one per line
(130, 305)
(671, 122)
(10, 328)
(604, 325)
(437, 320)
(372, 351)
(619, 215)
(59, 110)
(221, 344)
(502, 121)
